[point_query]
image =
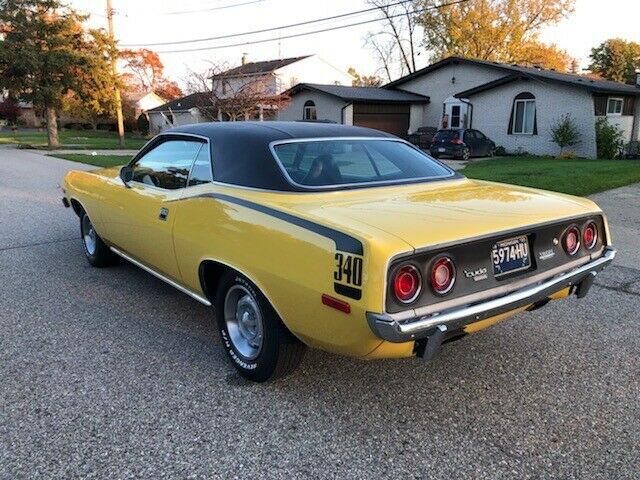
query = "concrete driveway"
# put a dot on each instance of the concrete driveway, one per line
(112, 374)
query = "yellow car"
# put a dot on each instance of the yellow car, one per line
(340, 238)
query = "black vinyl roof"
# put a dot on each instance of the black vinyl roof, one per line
(595, 86)
(364, 94)
(241, 154)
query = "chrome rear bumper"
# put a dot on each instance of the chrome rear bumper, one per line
(398, 331)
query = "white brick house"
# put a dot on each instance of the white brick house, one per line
(515, 106)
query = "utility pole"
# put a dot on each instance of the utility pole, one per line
(114, 71)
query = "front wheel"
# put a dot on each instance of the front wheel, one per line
(97, 252)
(255, 339)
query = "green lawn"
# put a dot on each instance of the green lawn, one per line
(575, 176)
(71, 139)
(97, 160)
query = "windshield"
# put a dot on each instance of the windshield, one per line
(355, 161)
(447, 135)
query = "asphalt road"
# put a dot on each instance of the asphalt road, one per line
(112, 374)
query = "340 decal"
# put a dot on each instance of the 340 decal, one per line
(348, 269)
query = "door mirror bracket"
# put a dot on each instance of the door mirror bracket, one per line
(126, 175)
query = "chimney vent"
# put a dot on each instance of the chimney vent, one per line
(245, 59)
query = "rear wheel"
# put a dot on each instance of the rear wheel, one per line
(465, 154)
(255, 339)
(97, 252)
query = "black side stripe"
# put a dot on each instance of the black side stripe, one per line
(344, 242)
(347, 291)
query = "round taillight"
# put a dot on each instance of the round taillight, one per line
(407, 283)
(590, 235)
(571, 241)
(443, 275)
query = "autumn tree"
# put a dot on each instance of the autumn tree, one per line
(364, 80)
(505, 31)
(225, 96)
(144, 71)
(44, 54)
(616, 59)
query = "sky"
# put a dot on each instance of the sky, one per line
(154, 21)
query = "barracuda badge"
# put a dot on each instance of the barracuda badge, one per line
(546, 254)
(477, 275)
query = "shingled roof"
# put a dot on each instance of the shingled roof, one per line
(362, 94)
(256, 68)
(185, 103)
(518, 71)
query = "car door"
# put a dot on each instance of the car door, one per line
(471, 142)
(142, 218)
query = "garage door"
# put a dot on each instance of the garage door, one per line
(389, 118)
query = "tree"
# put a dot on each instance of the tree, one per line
(363, 81)
(396, 45)
(144, 71)
(565, 133)
(616, 59)
(224, 96)
(495, 30)
(44, 54)
(95, 98)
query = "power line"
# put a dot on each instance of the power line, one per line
(221, 7)
(313, 32)
(264, 30)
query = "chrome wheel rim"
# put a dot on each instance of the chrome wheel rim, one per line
(465, 155)
(89, 235)
(244, 322)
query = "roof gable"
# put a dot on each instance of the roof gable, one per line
(363, 94)
(595, 86)
(257, 68)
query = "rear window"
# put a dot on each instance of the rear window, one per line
(345, 162)
(447, 135)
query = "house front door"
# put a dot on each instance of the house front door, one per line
(456, 113)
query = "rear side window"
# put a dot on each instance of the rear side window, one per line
(337, 162)
(167, 165)
(201, 170)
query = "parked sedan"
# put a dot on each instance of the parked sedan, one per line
(335, 237)
(462, 144)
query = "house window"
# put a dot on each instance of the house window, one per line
(523, 115)
(309, 112)
(614, 106)
(455, 116)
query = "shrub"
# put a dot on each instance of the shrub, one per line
(608, 139)
(500, 151)
(565, 132)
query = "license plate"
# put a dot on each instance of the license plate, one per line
(441, 149)
(511, 255)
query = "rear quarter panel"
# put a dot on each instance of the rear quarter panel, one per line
(291, 265)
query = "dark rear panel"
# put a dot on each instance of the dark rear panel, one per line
(471, 258)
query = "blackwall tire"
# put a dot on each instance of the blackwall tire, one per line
(97, 252)
(256, 341)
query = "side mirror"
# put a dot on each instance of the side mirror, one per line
(126, 175)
